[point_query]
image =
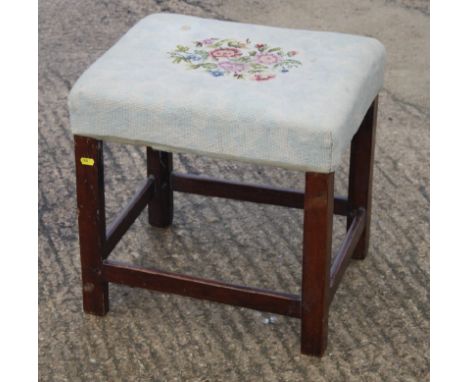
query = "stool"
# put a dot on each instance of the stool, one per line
(282, 97)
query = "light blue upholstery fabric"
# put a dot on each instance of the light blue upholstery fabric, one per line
(284, 97)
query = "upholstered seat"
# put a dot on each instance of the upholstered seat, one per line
(290, 98)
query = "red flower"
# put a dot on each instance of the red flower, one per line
(267, 58)
(260, 77)
(225, 53)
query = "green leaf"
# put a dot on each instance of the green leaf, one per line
(219, 43)
(292, 62)
(274, 49)
(236, 44)
(208, 66)
(258, 66)
(201, 53)
(182, 48)
(243, 59)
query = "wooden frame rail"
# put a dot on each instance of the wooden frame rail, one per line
(255, 298)
(128, 215)
(266, 300)
(202, 185)
(346, 250)
(169, 282)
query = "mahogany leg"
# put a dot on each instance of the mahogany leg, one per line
(318, 225)
(160, 208)
(91, 222)
(360, 174)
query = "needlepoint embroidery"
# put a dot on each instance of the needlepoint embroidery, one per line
(239, 59)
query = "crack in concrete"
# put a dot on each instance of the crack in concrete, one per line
(407, 105)
(166, 6)
(424, 10)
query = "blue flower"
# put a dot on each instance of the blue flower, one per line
(216, 73)
(193, 57)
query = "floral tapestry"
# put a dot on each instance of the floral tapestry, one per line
(239, 59)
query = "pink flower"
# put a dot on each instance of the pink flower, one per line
(261, 77)
(232, 66)
(267, 58)
(209, 41)
(225, 53)
(292, 53)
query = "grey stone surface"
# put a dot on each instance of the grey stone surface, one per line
(379, 320)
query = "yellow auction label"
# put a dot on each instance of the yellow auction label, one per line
(87, 161)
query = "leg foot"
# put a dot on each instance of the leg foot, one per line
(91, 222)
(360, 174)
(318, 224)
(160, 208)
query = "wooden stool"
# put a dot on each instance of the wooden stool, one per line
(289, 98)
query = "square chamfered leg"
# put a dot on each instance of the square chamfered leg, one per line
(91, 222)
(161, 206)
(360, 175)
(318, 225)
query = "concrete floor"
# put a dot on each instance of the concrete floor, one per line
(379, 320)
